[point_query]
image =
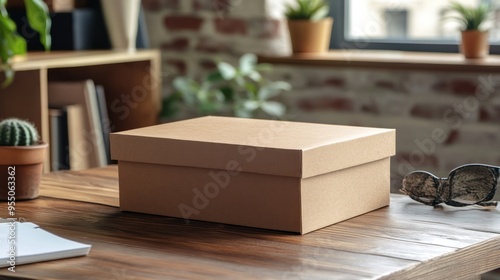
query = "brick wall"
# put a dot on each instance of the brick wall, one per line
(192, 33)
(442, 119)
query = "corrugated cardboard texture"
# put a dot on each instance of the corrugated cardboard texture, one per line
(259, 146)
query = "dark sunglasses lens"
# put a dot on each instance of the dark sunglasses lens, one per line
(421, 185)
(471, 184)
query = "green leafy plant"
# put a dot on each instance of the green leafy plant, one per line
(307, 10)
(471, 18)
(11, 43)
(16, 132)
(241, 91)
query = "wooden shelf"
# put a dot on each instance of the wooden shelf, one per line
(390, 59)
(131, 81)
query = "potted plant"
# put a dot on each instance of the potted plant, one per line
(474, 42)
(21, 160)
(11, 43)
(240, 91)
(309, 25)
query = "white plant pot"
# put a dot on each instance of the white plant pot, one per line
(122, 17)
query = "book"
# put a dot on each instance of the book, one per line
(82, 93)
(104, 118)
(67, 142)
(58, 139)
(32, 244)
(76, 151)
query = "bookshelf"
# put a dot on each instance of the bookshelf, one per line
(132, 84)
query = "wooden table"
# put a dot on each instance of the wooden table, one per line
(404, 241)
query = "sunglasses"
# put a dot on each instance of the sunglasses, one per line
(466, 185)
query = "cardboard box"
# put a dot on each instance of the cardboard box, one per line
(277, 175)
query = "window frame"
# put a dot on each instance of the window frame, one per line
(339, 9)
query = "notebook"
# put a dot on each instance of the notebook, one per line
(33, 244)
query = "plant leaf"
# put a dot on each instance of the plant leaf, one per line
(273, 108)
(247, 63)
(39, 20)
(256, 76)
(308, 10)
(214, 77)
(9, 75)
(321, 13)
(240, 112)
(184, 85)
(272, 90)
(226, 70)
(470, 17)
(251, 105)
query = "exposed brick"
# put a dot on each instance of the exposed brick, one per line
(177, 23)
(209, 45)
(322, 103)
(220, 6)
(334, 81)
(463, 87)
(340, 104)
(178, 64)
(151, 5)
(207, 64)
(230, 26)
(484, 116)
(156, 5)
(458, 87)
(264, 27)
(178, 44)
(429, 111)
(422, 111)
(490, 114)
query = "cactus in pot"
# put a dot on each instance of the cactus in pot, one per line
(21, 160)
(15, 132)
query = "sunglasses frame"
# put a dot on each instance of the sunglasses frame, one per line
(442, 183)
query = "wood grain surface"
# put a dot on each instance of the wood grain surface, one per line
(406, 240)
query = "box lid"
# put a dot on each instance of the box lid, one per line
(259, 146)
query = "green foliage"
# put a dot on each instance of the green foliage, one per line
(240, 91)
(11, 43)
(16, 132)
(308, 10)
(470, 17)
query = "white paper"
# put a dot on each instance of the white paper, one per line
(33, 244)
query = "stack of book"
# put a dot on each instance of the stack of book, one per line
(79, 125)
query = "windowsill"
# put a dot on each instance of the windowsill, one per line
(390, 59)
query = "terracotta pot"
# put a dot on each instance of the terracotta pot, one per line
(25, 164)
(310, 36)
(475, 44)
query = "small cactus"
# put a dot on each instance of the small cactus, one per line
(15, 132)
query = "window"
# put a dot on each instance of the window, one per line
(412, 25)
